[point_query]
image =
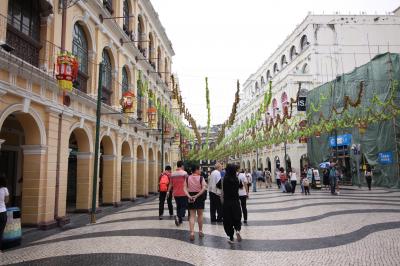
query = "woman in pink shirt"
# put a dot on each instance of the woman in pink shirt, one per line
(195, 189)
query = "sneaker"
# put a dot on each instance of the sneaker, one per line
(160, 217)
(245, 221)
(176, 221)
(230, 240)
(238, 236)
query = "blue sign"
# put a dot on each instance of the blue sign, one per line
(385, 157)
(342, 140)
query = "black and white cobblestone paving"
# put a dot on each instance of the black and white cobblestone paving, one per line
(359, 227)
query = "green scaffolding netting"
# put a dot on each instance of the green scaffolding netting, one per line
(378, 77)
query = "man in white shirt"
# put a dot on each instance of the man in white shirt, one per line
(215, 194)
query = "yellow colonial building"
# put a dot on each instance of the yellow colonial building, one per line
(47, 138)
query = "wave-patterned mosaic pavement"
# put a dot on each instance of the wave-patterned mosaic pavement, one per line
(359, 227)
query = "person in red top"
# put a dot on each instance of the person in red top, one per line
(177, 183)
(163, 183)
(283, 177)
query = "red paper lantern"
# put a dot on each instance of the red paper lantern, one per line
(67, 68)
(127, 101)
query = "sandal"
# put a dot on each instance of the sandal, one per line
(201, 234)
(191, 237)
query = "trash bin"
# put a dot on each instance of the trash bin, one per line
(12, 233)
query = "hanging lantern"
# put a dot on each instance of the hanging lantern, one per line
(67, 68)
(127, 101)
(362, 127)
(151, 115)
(167, 128)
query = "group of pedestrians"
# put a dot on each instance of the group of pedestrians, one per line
(228, 191)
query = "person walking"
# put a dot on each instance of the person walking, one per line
(325, 178)
(231, 205)
(306, 185)
(332, 178)
(249, 179)
(268, 178)
(278, 178)
(293, 180)
(195, 189)
(368, 176)
(254, 177)
(243, 194)
(4, 194)
(163, 183)
(215, 194)
(283, 178)
(176, 184)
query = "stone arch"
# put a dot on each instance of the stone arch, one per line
(268, 164)
(304, 43)
(36, 128)
(140, 172)
(24, 151)
(87, 131)
(78, 183)
(277, 163)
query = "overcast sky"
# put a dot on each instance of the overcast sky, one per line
(227, 40)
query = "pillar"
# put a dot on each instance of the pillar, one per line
(127, 191)
(109, 176)
(35, 188)
(141, 178)
(84, 180)
(151, 176)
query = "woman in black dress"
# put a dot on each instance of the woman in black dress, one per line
(231, 204)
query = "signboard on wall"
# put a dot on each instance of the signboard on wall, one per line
(301, 104)
(385, 157)
(342, 140)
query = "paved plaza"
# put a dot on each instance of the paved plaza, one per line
(358, 227)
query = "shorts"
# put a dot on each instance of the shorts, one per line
(261, 179)
(198, 204)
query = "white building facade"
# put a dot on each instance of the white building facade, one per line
(321, 48)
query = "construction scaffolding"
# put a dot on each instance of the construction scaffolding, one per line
(366, 88)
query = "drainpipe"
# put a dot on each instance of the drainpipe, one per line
(60, 118)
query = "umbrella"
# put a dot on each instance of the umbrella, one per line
(324, 165)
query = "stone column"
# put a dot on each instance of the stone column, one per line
(84, 181)
(141, 178)
(151, 176)
(127, 192)
(3, 21)
(36, 209)
(109, 185)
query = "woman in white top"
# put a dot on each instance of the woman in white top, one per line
(293, 180)
(3, 210)
(243, 194)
